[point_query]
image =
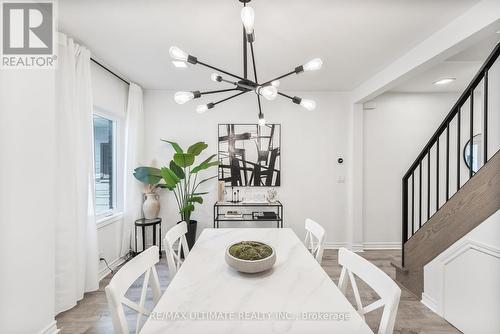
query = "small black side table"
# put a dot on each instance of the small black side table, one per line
(143, 222)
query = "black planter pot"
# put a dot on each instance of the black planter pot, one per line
(191, 233)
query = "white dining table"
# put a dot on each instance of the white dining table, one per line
(295, 296)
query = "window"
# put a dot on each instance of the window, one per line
(105, 165)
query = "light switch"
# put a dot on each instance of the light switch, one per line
(341, 179)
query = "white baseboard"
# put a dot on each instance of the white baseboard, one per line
(382, 245)
(335, 245)
(113, 265)
(429, 302)
(50, 329)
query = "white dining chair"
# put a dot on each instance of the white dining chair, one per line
(144, 263)
(174, 260)
(315, 239)
(389, 292)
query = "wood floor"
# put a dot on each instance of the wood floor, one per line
(91, 315)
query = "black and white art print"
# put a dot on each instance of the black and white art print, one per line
(250, 155)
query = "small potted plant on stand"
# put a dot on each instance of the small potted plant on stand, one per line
(181, 178)
(151, 177)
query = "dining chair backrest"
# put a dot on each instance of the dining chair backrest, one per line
(174, 260)
(142, 264)
(315, 239)
(388, 291)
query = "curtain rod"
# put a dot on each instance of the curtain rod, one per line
(107, 69)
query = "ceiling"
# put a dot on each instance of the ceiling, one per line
(355, 38)
(462, 66)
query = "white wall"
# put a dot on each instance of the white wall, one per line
(27, 178)
(394, 134)
(311, 144)
(110, 96)
(461, 284)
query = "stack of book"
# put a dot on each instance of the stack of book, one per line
(233, 215)
(264, 215)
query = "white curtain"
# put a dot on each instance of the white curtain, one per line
(76, 263)
(134, 147)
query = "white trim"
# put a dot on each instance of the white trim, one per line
(382, 245)
(50, 329)
(109, 220)
(335, 244)
(357, 248)
(429, 302)
(113, 265)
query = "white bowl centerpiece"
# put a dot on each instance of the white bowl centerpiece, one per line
(250, 256)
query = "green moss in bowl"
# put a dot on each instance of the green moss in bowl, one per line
(250, 250)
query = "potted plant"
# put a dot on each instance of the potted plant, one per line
(181, 177)
(151, 177)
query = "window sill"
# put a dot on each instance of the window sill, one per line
(111, 219)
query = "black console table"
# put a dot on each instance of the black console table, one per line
(248, 217)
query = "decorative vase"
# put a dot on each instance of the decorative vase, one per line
(151, 206)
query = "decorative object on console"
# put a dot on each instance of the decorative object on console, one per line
(272, 195)
(473, 159)
(267, 89)
(250, 155)
(150, 176)
(221, 191)
(250, 256)
(182, 179)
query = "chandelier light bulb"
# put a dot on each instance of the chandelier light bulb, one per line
(268, 92)
(183, 97)
(215, 77)
(248, 18)
(179, 64)
(177, 54)
(201, 108)
(275, 83)
(308, 104)
(313, 65)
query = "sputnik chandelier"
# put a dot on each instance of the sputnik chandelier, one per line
(243, 84)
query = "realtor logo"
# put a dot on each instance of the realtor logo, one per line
(27, 34)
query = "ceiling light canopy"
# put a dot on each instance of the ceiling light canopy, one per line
(444, 81)
(242, 84)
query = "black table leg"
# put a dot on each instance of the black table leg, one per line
(159, 225)
(154, 235)
(143, 238)
(135, 250)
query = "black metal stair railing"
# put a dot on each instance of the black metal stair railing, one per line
(412, 216)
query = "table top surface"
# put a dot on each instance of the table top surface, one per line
(295, 296)
(144, 221)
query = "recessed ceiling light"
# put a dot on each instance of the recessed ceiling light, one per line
(179, 64)
(444, 81)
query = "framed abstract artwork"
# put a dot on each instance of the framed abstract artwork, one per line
(250, 155)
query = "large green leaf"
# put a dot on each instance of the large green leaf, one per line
(197, 148)
(176, 146)
(177, 170)
(170, 178)
(187, 208)
(183, 159)
(203, 165)
(196, 199)
(147, 175)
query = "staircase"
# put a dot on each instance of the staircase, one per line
(450, 188)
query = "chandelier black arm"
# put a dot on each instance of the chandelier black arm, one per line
(280, 77)
(253, 61)
(229, 98)
(260, 107)
(218, 91)
(295, 99)
(218, 69)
